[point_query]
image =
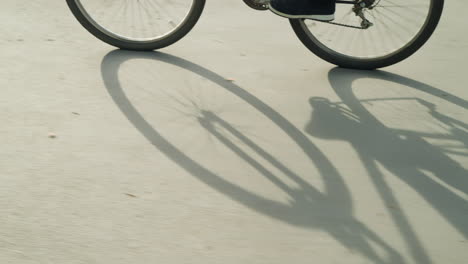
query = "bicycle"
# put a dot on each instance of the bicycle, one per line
(366, 34)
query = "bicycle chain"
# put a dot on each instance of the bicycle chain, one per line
(343, 25)
(338, 24)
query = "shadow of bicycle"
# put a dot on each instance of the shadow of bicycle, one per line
(329, 210)
(405, 153)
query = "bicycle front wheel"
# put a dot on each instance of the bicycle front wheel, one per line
(400, 28)
(138, 24)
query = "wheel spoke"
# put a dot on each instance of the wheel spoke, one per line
(136, 20)
(395, 24)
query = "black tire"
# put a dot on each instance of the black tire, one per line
(342, 60)
(127, 44)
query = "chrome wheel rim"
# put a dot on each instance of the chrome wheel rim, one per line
(397, 24)
(139, 21)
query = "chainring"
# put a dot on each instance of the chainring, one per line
(255, 5)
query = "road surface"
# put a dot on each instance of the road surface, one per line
(236, 145)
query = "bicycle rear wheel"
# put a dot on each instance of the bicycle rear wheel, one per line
(138, 24)
(400, 28)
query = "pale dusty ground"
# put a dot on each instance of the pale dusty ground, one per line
(158, 159)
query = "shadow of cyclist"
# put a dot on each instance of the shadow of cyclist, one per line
(330, 210)
(406, 154)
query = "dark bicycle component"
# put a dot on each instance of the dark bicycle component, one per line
(366, 3)
(359, 9)
(255, 4)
